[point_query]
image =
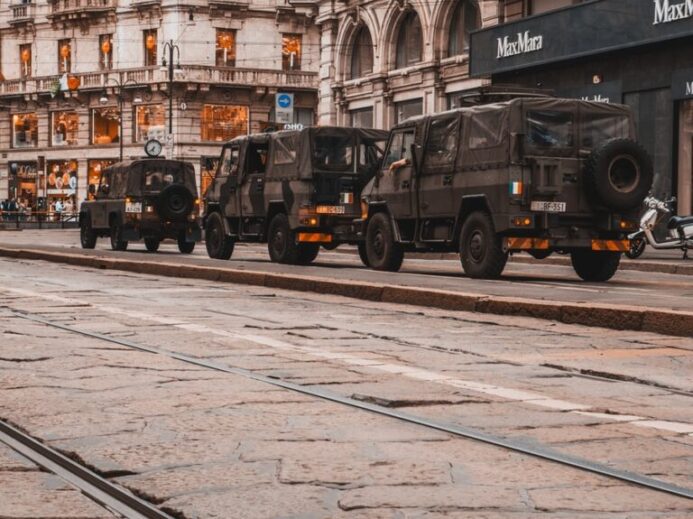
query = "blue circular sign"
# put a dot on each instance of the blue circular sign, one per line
(284, 100)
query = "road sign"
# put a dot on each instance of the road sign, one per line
(284, 107)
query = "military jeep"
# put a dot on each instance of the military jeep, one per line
(539, 175)
(150, 199)
(296, 190)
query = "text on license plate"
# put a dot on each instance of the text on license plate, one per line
(330, 209)
(548, 207)
(133, 207)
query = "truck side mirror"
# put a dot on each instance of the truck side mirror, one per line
(105, 188)
(92, 189)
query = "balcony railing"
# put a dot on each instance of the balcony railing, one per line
(70, 8)
(219, 76)
(22, 13)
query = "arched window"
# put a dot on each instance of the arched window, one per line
(362, 54)
(465, 19)
(409, 41)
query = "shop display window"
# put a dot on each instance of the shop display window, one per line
(23, 183)
(61, 187)
(65, 126)
(106, 51)
(64, 56)
(105, 125)
(292, 46)
(226, 48)
(25, 130)
(220, 123)
(94, 169)
(150, 123)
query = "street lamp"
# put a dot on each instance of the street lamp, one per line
(171, 48)
(104, 100)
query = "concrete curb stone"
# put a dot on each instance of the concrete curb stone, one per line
(667, 322)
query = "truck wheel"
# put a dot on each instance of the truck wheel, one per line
(281, 241)
(382, 250)
(185, 246)
(307, 252)
(219, 245)
(481, 249)
(595, 265)
(87, 235)
(117, 241)
(152, 244)
(363, 253)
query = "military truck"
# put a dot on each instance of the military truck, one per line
(150, 199)
(297, 190)
(539, 175)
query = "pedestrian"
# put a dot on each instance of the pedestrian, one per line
(12, 209)
(58, 210)
(3, 210)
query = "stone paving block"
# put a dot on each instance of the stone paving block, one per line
(12, 461)
(37, 495)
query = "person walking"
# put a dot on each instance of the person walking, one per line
(58, 210)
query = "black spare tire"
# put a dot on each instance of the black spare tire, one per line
(175, 202)
(619, 173)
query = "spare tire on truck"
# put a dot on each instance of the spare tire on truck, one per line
(175, 202)
(619, 173)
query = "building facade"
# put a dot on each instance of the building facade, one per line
(230, 60)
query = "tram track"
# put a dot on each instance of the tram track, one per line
(534, 450)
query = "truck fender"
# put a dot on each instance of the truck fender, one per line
(381, 207)
(468, 205)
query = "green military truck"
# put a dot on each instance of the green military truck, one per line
(150, 199)
(540, 175)
(296, 190)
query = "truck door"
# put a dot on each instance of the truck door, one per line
(99, 217)
(253, 184)
(397, 174)
(228, 173)
(436, 176)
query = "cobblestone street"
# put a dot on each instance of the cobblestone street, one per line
(203, 443)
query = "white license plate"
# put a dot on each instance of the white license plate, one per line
(133, 207)
(548, 207)
(330, 209)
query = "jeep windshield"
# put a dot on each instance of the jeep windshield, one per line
(550, 130)
(333, 153)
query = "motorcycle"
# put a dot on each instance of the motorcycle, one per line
(680, 229)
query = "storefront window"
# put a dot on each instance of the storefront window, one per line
(61, 186)
(25, 60)
(221, 123)
(291, 51)
(64, 128)
(105, 125)
(226, 48)
(150, 123)
(150, 44)
(23, 183)
(362, 118)
(407, 109)
(106, 51)
(64, 56)
(94, 169)
(25, 130)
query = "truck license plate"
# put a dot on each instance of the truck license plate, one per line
(548, 207)
(330, 209)
(133, 207)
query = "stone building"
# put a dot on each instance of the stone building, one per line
(230, 59)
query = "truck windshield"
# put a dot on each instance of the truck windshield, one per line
(548, 129)
(335, 152)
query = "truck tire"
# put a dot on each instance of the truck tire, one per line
(307, 252)
(481, 249)
(117, 241)
(363, 253)
(175, 202)
(152, 244)
(185, 246)
(281, 241)
(219, 244)
(619, 173)
(87, 235)
(595, 265)
(383, 252)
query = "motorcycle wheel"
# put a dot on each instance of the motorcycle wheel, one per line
(637, 247)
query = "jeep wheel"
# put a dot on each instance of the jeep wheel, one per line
(281, 241)
(152, 244)
(595, 265)
(117, 241)
(620, 174)
(382, 250)
(363, 253)
(219, 245)
(307, 252)
(87, 235)
(481, 249)
(185, 246)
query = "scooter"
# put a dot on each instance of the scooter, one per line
(680, 229)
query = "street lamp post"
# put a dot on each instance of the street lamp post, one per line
(104, 99)
(171, 48)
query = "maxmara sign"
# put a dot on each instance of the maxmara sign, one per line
(524, 43)
(667, 11)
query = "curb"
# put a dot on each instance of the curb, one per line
(665, 322)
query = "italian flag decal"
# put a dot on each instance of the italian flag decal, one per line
(515, 188)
